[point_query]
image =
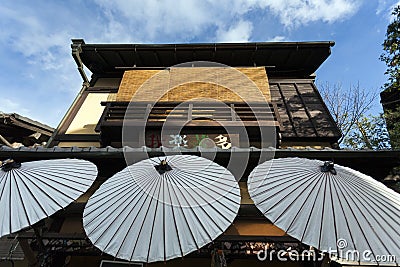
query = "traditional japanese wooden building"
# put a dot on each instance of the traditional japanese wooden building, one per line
(17, 130)
(284, 73)
(151, 84)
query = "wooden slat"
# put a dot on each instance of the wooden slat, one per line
(277, 116)
(233, 114)
(148, 110)
(287, 109)
(191, 114)
(181, 83)
(190, 111)
(178, 123)
(10, 249)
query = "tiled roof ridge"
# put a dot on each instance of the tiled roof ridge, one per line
(167, 149)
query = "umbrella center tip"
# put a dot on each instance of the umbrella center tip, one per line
(163, 167)
(9, 164)
(328, 166)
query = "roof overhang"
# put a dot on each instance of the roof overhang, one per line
(15, 126)
(282, 59)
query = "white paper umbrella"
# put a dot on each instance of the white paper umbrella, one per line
(32, 191)
(162, 208)
(332, 208)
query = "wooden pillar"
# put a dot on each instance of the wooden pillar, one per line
(28, 252)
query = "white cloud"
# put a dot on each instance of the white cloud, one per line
(277, 38)
(240, 32)
(38, 54)
(149, 19)
(185, 19)
(382, 6)
(13, 106)
(385, 8)
(33, 36)
(44, 36)
(294, 13)
(391, 16)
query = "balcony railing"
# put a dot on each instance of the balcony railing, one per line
(205, 114)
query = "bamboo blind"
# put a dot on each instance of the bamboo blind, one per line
(183, 84)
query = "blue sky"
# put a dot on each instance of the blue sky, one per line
(39, 78)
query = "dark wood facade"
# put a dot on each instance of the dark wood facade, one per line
(20, 130)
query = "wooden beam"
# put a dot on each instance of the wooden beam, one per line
(189, 118)
(278, 116)
(157, 58)
(28, 126)
(82, 236)
(250, 238)
(28, 252)
(193, 123)
(78, 137)
(233, 113)
(288, 111)
(51, 236)
(101, 57)
(117, 53)
(148, 110)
